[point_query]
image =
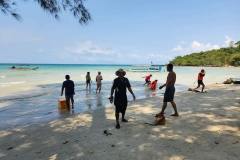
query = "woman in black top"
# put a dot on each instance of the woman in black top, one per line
(120, 86)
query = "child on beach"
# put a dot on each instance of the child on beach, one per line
(99, 82)
(169, 92)
(201, 74)
(153, 85)
(88, 80)
(120, 84)
(68, 86)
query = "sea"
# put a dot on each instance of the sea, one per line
(31, 96)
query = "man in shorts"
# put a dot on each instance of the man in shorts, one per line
(99, 82)
(170, 91)
(200, 80)
(88, 81)
(68, 86)
(119, 87)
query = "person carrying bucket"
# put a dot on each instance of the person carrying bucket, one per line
(68, 86)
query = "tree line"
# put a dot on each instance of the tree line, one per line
(229, 56)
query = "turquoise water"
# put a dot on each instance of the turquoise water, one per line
(30, 96)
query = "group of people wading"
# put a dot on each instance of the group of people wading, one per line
(119, 89)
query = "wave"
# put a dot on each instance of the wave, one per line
(22, 97)
(2, 76)
(4, 84)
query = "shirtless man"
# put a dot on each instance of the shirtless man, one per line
(99, 82)
(170, 91)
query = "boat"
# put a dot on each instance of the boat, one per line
(24, 67)
(146, 68)
(232, 80)
(236, 80)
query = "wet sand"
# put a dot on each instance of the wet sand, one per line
(208, 128)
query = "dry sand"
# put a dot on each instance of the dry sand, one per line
(208, 128)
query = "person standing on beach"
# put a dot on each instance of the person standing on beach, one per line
(119, 87)
(99, 82)
(68, 86)
(169, 92)
(88, 81)
(200, 80)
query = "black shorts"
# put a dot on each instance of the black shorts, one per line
(200, 82)
(69, 97)
(120, 108)
(147, 81)
(88, 81)
(169, 94)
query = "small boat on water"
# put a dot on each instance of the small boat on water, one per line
(232, 80)
(146, 68)
(24, 67)
(236, 80)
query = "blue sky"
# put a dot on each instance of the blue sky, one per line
(121, 32)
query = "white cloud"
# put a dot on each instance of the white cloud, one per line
(90, 52)
(88, 48)
(227, 41)
(178, 48)
(194, 46)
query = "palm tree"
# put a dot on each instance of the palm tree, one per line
(54, 7)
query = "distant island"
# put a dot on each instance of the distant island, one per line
(229, 56)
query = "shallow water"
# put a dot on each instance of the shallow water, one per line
(41, 105)
(31, 96)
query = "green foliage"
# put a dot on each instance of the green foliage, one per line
(235, 60)
(54, 7)
(217, 57)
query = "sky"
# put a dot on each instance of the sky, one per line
(121, 32)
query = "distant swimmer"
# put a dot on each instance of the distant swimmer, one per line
(170, 91)
(88, 81)
(99, 82)
(201, 74)
(68, 86)
(119, 87)
(148, 79)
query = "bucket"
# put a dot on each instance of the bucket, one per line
(62, 105)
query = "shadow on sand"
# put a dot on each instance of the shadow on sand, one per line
(207, 129)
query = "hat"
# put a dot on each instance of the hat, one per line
(120, 71)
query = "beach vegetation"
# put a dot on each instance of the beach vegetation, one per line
(229, 56)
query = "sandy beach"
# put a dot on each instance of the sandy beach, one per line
(208, 128)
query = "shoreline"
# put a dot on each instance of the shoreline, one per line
(208, 128)
(52, 113)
